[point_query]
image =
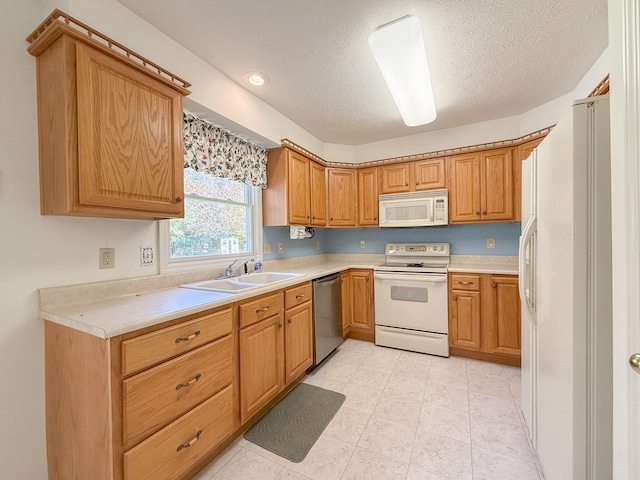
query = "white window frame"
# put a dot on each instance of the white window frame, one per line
(254, 198)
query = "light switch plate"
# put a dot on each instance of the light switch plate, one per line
(491, 243)
(362, 244)
(280, 247)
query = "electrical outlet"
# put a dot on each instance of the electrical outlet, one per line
(146, 256)
(107, 258)
(280, 247)
(362, 244)
(318, 245)
(491, 243)
(266, 248)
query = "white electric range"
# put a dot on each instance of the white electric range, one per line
(411, 310)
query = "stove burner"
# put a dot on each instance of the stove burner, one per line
(421, 264)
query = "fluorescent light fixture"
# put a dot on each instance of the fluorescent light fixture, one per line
(398, 48)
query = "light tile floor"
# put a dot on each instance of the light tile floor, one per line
(407, 416)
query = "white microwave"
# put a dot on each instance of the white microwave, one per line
(418, 209)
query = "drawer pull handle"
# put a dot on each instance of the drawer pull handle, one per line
(299, 296)
(190, 442)
(262, 310)
(190, 337)
(465, 283)
(189, 383)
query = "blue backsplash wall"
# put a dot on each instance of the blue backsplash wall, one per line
(464, 239)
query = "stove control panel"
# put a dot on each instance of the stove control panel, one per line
(418, 249)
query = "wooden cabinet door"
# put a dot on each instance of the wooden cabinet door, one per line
(395, 178)
(429, 174)
(343, 196)
(129, 138)
(298, 189)
(362, 300)
(261, 364)
(368, 196)
(298, 340)
(464, 188)
(496, 184)
(502, 325)
(318, 194)
(347, 304)
(522, 152)
(464, 319)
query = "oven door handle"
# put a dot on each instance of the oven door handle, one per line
(411, 276)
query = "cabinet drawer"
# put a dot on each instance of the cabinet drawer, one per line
(297, 295)
(159, 395)
(153, 348)
(172, 451)
(465, 282)
(256, 310)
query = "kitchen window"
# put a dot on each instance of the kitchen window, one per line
(222, 221)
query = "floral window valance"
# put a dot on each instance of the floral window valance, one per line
(210, 149)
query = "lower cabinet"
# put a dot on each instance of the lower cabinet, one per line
(484, 317)
(151, 404)
(161, 402)
(276, 350)
(358, 304)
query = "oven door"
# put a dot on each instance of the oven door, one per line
(416, 301)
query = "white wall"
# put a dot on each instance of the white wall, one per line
(37, 252)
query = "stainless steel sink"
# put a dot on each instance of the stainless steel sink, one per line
(242, 283)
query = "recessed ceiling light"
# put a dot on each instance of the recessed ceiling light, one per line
(256, 79)
(398, 48)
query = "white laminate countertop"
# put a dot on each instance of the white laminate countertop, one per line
(108, 309)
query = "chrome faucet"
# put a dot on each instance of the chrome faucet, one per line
(229, 269)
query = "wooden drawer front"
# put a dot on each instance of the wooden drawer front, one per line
(256, 310)
(152, 398)
(465, 282)
(297, 295)
(147, 350)
(158, 457)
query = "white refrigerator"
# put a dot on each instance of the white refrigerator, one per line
(565, 288)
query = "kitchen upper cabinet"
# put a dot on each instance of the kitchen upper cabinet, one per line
(414, 176)
(484, 317)
(358, 304)
(429, 174)
(318, 194)
(481, 187)
(502, 332)
(522, 152)
(395, 178)
(296, 191)
(343, 197)
(110, 130)
(368, 196)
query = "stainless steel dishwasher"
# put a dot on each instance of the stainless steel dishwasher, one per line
(327, 316)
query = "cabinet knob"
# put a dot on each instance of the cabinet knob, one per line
(494, 285)
(179, 199)
(417, 182)
(406, 184)
(455, 297)
(280, 324)
(375, 218)
(289, 321)
(331, 219)
(477, 212)
(484, 212)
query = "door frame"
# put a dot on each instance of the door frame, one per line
(624, 55)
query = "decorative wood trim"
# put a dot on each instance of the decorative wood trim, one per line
(602, 88)
(419, 156)
(59, 23)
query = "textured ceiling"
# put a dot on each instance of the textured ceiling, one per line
(488, 58)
